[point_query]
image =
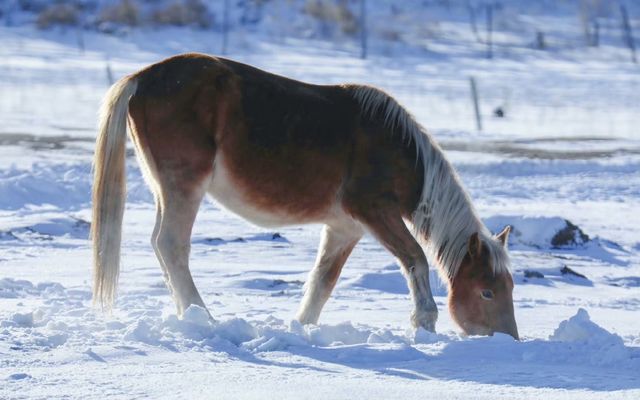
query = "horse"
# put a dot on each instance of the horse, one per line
(278, 151)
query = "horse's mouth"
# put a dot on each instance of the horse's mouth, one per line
(479, 330)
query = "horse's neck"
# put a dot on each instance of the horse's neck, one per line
(445, 216)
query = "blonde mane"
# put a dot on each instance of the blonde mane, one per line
(445, 217)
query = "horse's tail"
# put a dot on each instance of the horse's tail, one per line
(109, 190)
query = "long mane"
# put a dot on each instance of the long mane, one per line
(445, 217)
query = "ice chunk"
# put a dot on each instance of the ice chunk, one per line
(23, 319)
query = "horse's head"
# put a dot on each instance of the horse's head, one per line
(480, 298)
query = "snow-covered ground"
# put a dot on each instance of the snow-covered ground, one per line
(568, 149)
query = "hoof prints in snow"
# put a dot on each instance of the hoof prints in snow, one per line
(270, 284)
(18, 376)
(17, 288)
(260, 237)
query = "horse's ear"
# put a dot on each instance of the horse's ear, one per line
(503, 236)
(475, 245)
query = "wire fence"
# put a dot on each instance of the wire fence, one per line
(54, 85)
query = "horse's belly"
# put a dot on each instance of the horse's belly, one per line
(229, 194)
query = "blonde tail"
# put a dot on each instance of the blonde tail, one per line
(109, 190)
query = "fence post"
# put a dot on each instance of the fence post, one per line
(8, 11)
(540, 42)
(472, 21)
(490, 30)
(225, 26)
(476, 106)
(627, 34)
(109, 73)
(363, 28)
(80, 37)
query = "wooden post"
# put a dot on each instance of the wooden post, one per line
(627, 34)
(490, 30)
(595, 39)
(540, 42)
(472, 21)
(225, 26)
(80, 38)
(363, 28)
(8, 10)
(110, 79)
(476, 106)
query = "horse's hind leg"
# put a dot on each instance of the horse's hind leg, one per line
(338, 240)
(154, 241)
(389, 228)
(177, 209)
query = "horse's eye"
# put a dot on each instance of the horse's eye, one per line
(487, 294)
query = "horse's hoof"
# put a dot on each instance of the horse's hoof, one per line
(425, 319)
(429, 326)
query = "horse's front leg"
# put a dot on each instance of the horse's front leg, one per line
(425, 312)
(389, 228)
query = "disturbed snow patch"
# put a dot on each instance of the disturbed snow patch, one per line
(64, 320)
(197, 329)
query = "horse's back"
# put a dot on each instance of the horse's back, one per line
(277, 149)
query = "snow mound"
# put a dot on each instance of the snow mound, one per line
(197, 326)
(392, 281)
(580, 328)
(142, 331)
(605, 347)
(49, 228)
(539, 232)
(18, 288)
(66, 186)
(385, 281)
(13, 288)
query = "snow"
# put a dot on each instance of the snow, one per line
(568, 150)
(578, 346)
(528, 231)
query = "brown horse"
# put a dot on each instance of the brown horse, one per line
(278, 151)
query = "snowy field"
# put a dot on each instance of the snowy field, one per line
(568, 149)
